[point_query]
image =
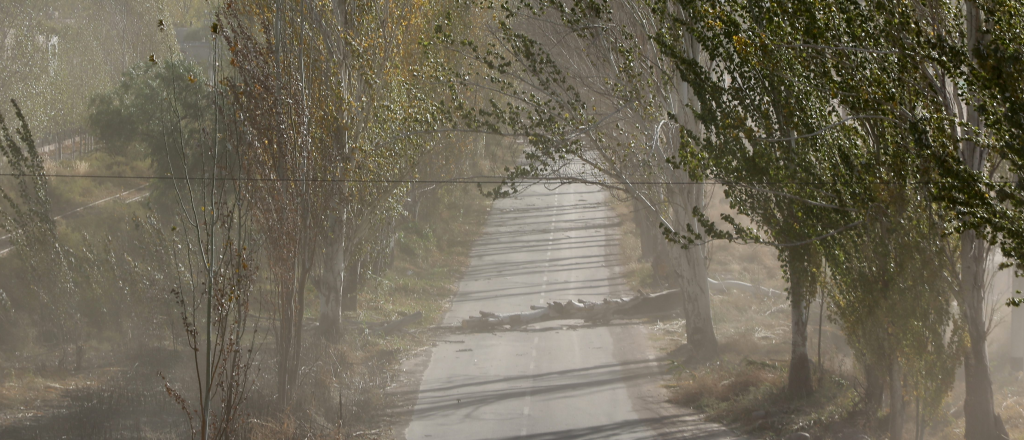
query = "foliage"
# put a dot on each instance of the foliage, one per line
(26, 218)
(891, 93)
(584, 86)
(160, 108)
(146, 269)
(29, 205)
(332, 119)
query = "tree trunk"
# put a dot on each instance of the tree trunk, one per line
(980, 419)
(896, 400)
(804, 265)
(1017, 328)
(691, 273)
(661, 263)
(647, 229)
(332, 277)
(284, 341)
(350, 286)
(300, 313)
(330, 284)
(874, 388)
(979, 410)
(690, 264)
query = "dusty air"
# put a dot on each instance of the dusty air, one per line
(511, 219)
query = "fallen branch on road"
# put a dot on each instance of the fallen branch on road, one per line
(589, 311)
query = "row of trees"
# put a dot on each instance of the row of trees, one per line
(297, 157)
(906, 134)
(284, 168)
(331, 129)
(856, 136)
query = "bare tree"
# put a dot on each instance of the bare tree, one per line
(213, 251)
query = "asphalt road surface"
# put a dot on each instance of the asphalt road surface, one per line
(556, 380)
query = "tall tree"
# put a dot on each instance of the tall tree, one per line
(334, 120)
(586, 87)
(27, 219)
(755, 108)
(925, 69)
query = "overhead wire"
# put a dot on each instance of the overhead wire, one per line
(480, 180)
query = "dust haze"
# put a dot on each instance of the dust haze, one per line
(438, 219)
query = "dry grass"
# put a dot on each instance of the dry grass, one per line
(709, 388)
(749, 395)
(68, 194)
(102, 400)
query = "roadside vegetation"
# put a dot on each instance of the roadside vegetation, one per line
(167, 313)
(107, 386)
(745, 388)
(113, 391)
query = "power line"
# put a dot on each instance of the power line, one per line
(476, 180)
(496, 179)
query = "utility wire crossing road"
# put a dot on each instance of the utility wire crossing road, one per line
(556, 380)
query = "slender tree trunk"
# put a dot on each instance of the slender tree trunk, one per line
(300, 312)
(821, 315)
(332, 279)
(350, 287)
(874, 386)
(804, 266)
(896, 412)
(284, 341)
(692, 274)
(331, 282)
(980, 419)
(979, 410)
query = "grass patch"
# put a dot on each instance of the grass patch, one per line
(67, 193)
(749, 395)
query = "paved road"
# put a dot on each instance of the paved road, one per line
(559, 380)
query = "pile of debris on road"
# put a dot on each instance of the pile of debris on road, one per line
(641, 305)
